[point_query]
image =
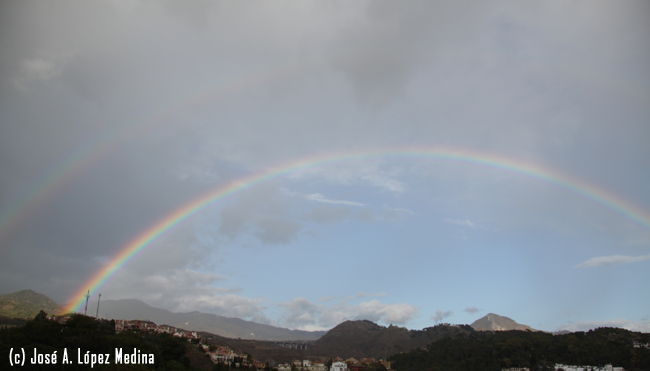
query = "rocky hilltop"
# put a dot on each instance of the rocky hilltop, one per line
(495, 322)
(361, 339)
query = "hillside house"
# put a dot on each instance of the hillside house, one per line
(223, 354)
(317, 366)
(339, 366)
(60, 319)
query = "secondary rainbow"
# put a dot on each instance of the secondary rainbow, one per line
(494, 161)
(92, 151)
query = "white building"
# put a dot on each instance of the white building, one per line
(223, 355)
(339, 366)
(607, 367)
(559, 366)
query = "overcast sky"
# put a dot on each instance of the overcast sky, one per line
(114, 114)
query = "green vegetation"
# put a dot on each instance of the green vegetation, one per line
(375, 366)
(26, 304)
(487, 351)
(83, 334)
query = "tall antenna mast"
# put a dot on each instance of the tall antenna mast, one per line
(87, 297)
(98, 299)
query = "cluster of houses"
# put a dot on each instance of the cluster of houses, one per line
(305, 365)
(228, 356)
(356, 365)
(139, 325)
(607, 367)
(338, 364)
(561, 367)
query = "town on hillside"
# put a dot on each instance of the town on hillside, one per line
(142, 326)
(220, 354)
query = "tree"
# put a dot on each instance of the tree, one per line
(41, 316)
(376, 366)
(544, 366)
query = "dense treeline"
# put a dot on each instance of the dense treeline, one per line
(83, 334)
(485, 351)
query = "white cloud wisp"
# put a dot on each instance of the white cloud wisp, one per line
(612, 260)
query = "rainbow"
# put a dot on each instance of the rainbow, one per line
(91, 152)
(535, 171)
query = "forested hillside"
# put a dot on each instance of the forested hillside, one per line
(26, 304)
(485, 351)
(361, 339)
(83, 334)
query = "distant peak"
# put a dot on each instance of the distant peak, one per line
(495, 322)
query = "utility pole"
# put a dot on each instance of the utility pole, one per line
(98, 299)
(87, 297)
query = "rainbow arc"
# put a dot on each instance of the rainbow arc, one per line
(484, 159)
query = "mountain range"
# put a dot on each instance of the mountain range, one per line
(351, 338)
(197, 321)
(26, 304)
(368, 339)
